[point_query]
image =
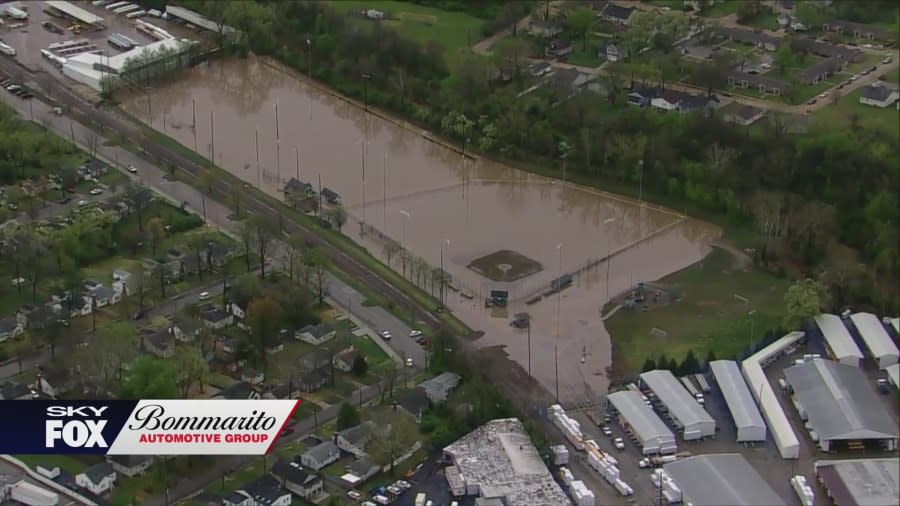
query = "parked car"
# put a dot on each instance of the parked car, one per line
(883, 386)
(203, 296)
(811, 102)
(607, 431)
(415, 333)
(132, 169)
(353, 494)
(385, 335)
(823, 94)
(619, 444)
(82, 202)
(854, 77)
(394, 490)
(887, 60)
(96, 191)
(409, 362)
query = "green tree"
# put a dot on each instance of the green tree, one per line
(347, 417)
(150, 378)
(101, 360)
(784, 58)
(649, 365)
(192, 370)
(690, 364)
(337, 215)
(265, 317)
(157, 232)
(580, 21)
(316, 266)
(710, 357)
(804, 299)
(395, 433)
(360, 366)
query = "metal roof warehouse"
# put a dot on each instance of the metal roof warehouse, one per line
(652, 434)
(75, 12)
(724, 478)
(877, 340)
(682, 406)
(859, 482)
(840, 405)
(750, 424)
(840, 343)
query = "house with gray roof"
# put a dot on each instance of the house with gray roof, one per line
(822, 70)
(858, 30)
(860, 482)
(161, 343)
(354, 439)
(762, 83)
(750, 37)
(438, 388)
(545, 28)
(363, 469)
(741, 114)
(879, 96)
(618, 14)
(723, 478)
(840, 406)
(98, 479)
(320, 455)
(10, 328)
(297, 480)
(130, 465)
(316, 334)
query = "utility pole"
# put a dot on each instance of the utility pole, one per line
(298, 162)
(212, 139)
(320, 195)
(164, 123)
(384, 191)
(441, 298)
(362, 152)
(641, 181)
(608, 257)
(257, 157)
(530, 378)
(194, 115)
(558, 307)
(366, 78)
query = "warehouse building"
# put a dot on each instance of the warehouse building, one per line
(749, 423)
(782, 432)
(860, 482)
(893, 372)
(839, 342)
(92, 69)
(190, 17)
(498, 460)
(684, 409)
(876, 338)
(652, 435)
(842, 409)
(723, 478)
(73, 12)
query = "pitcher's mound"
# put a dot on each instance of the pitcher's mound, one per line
(505, 266)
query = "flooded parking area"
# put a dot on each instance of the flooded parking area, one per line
(267, 126)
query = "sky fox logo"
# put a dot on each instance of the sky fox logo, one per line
(76, 433)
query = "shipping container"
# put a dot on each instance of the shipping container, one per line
(623, 488)
(136, 14)
(115, 5)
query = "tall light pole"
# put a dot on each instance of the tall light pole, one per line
(194, 124)
(257, 158)
(366, 78)
(751, 315)
(607, 221)
(362, 152)
(441, 298)
(403, 229)
(277, 147)
(641, 181)
(309, 46)
(529, 349)
(558, 306)
(384, 190)
(212, 139)
(297, 149)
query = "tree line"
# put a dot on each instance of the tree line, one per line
(823, 202)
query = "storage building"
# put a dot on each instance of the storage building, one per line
(843, 410)
(839, 342)
(749, 423)
(877, 340)
(752, 367)
(724, 478)
(860, 482)
(72, 11)
(636, 417)
(893, 372)
(684, 409)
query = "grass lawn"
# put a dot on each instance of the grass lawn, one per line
(288, 452)
(70, 463)
(767, 20)
(869, 117)
(893, 76)
(453, 30)
(373, 353)
(720, 9)
(868, 60)
(705, 316)
(813, 90)
(235, 481)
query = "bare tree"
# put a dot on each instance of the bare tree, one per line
(264, 232)
(394, 433)
(317, 270)
(93, 141)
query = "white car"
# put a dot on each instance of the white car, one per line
(403, 484)
(96, 191)
(644, 463)
(380, 499)
(854, 78)
(887, 60)
(82, 202)
(409, 362)
(385, 335)
(204, 296)
(619, 444)
(353, 494)
(607, 431)
(132, 169)
(766, 65)
(393, 489)
(368, 503)
(415, 333)
(823, 95)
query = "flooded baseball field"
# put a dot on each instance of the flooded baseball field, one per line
(266, 126)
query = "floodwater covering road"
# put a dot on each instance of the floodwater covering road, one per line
(436, 204)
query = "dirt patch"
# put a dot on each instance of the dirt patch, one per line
(505, 265)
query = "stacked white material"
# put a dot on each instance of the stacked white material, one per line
(32, 495)
(154, 31)
(623, 488)
(669, 486)
(658, 476)
(567, 476)
(610, 460)
(581, 494)
(672, 498)
(568, 426)
(560, 455)
(804, 491)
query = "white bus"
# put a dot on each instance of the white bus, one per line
(126, 9)
(136, 14)
(115, 5)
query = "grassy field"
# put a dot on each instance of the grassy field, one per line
(720, 9)
(848, 106)
(705, 315)
(70, 463)
(454, 30)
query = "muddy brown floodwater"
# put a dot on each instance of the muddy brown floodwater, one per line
(424, 196)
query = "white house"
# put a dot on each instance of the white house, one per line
(879, 96)
(98, 479)
(355, 439)
(297, 480)
(264, 491)
(316, 334)
(10, 328)
(217, 318)
(236, 310)
(320, 455)
(130, 465)
(343, 361)
(615, 53)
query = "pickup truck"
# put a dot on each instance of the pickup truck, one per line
(420, 499)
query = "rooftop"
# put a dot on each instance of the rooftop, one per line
(439, 386)
(740, 402)
(645, 422)
(725, 478)
(74, 11)
(500, 459)
(672, 393)
(837, 336)
(857, 482)
(874, 335)
(97, 472)
(293, 472)
(358, 434)
(839, 401)
(879, 93)
(322, 450)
